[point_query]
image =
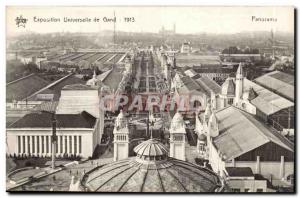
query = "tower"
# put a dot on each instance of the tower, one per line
(177, 137)
(201, 140)
(121, 137)
(174, 28)
(239, 84)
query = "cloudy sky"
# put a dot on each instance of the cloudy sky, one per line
(151, 19)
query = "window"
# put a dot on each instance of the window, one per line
(28, 141)
(79, 140)
(75, 144)
(202, 147)
(43, 144)
(61, 143)
(66, 144)
(247, 189)
(259, 190)
(38, 144)
(33, 144)
(24, 144)
(70, 143)
(47, 144)
(235, 190)
(178, 138)
(19, 144)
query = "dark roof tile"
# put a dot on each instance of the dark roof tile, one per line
(43, 120)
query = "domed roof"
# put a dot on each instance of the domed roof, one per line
(177, 124)
(151, 171)
(228, 87)
(202, 137)
(151, 147)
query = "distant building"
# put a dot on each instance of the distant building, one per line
(241, 57)
(164, 32)
(216, 73)
(186, 48)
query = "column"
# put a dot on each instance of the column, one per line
(78, 145)
(21, 138)
(72, 138)
(68, 145)
(257, 164)
(40, 142)
(30, 142)
(49, 145)
(281, 173)
(26, 145)
(63, 144)
(58, 145)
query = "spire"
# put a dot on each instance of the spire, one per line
(239, 71)
(94, 75)
(239, 81)
(213, 125)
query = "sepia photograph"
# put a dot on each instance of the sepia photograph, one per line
(150, 99)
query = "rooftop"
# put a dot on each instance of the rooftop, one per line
(24, 87)
(267, 101)
(278, 82)
(43, 120)
(243, 132)
(113, 78)
(209, 85)
(56, 88)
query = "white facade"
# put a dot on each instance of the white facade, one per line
(37, 141)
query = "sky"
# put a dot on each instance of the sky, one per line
(150, 19)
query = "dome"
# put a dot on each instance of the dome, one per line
(151, 147)
(151, 171)
(202, 137)
(177, 124)
(121, 123)
(228, 87)
(121, 115)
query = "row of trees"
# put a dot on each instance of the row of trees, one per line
(65, 156)
(236, 50)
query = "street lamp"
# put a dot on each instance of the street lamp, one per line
(53, 137)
